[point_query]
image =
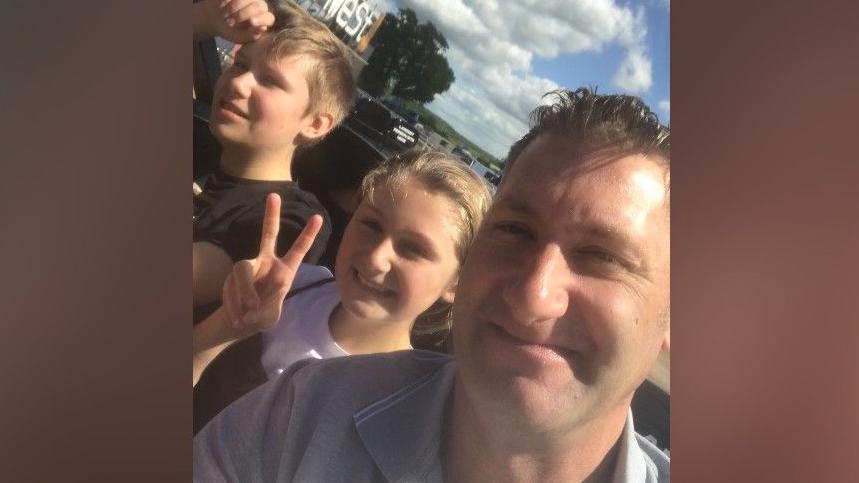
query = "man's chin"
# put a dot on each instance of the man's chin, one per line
(532, 404)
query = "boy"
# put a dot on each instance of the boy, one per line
(290, 84)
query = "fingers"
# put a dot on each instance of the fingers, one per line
(270, 225)
(303, 243)
(259, 25)
(231, 302)
(243, 274)
(250, 13)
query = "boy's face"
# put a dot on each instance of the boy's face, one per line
(261, 103)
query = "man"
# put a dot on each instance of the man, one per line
(561, 309)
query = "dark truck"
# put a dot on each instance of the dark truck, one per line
(379, 124)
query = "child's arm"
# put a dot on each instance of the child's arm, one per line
(239, 21)
(211, 265)
(254, 290)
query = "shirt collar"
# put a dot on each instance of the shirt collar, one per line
(402, 432)
(631, 463)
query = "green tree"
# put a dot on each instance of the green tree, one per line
(408, 60)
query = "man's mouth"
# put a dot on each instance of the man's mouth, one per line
(542, 351)
(372, 287)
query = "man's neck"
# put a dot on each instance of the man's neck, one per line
(480, 450)
(263, 166)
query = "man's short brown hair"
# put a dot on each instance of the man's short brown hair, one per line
(622, 123)
(330, 78)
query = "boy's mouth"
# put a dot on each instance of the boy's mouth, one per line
(230, 107)
(372, 287)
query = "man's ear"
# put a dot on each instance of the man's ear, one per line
(318, 126)
(666, 342)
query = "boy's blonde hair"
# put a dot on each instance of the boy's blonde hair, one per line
(444, 174)
(330, 77)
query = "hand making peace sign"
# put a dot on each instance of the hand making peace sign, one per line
(255, 289)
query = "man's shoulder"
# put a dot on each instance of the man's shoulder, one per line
(302, 425)
(368, 376)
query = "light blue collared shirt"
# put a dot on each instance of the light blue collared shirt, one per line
(361, 418)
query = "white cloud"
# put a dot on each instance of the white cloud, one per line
(492, 46)
(665, 106)
(634, 73)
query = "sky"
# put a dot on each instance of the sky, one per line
(506, 54)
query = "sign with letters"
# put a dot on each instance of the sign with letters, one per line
(355, 17)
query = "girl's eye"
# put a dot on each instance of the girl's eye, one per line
(371, 225)
(413, 250)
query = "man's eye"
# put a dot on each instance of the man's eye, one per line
(513, 230)
(600, 255)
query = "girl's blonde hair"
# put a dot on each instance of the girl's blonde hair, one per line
(440, 173)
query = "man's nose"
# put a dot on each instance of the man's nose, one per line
(537, 290)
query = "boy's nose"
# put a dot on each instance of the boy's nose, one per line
(538, 291)
(242, 83)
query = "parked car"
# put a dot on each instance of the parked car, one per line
(376, 121)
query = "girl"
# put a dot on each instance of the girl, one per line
(396, 267)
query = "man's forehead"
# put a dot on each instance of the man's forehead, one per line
(608, 189)
(551, 157)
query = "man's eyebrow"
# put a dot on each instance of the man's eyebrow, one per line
(591, 228)
(615, 238)
(601, 231)
(517, 205)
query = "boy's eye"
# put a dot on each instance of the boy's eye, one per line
(239, 65)
(268, 81)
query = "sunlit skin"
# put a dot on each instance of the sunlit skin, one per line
(259, 109)
(397, 258)
(562, 308)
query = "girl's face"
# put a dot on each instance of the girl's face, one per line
(398, 254)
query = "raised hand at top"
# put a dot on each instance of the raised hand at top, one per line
(239, 21)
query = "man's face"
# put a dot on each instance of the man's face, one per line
(260, 103)
(562, 304)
